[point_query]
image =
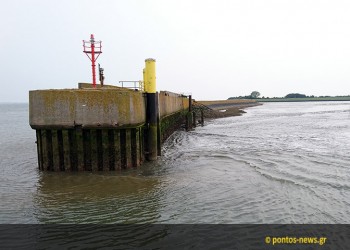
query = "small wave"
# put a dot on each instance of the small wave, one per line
(303, 179)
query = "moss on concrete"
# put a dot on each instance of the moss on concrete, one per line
(171, 123)
(86, 108)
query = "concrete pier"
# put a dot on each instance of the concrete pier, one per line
(101, 129)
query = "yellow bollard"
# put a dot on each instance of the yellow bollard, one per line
(151, 117)
(150, 76)
(144, 80)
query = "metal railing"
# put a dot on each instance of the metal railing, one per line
(136, 85)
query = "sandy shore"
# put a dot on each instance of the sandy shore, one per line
(224, 108)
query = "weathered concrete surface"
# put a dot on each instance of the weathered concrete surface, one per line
(99, 129)
(83, 85)
(90, 108)
(170, 103)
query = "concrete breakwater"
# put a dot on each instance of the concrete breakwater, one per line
(100, 129)
(95, 128)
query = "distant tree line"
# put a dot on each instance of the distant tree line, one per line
(295, 95)
(256, 95)
(253, 95)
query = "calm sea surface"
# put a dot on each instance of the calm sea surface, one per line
(278, 163)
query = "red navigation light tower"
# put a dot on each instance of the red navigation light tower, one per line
(92, 47)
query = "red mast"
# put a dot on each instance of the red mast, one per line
(92, 47)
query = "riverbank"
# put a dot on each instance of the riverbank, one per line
(225, 108)
(305, 99)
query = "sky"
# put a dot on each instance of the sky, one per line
(212, 49)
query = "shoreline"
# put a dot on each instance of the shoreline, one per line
(225, 108)
(306, 99)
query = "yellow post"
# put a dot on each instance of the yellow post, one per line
(141, 85)
(150, 75)
(151, 117)
(144, 80)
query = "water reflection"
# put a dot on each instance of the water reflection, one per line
(97, 198)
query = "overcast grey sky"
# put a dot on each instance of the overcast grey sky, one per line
(213, 49)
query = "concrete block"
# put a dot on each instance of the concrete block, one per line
(170, 103)
(90, 108)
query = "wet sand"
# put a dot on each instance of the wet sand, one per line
(224, 108)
